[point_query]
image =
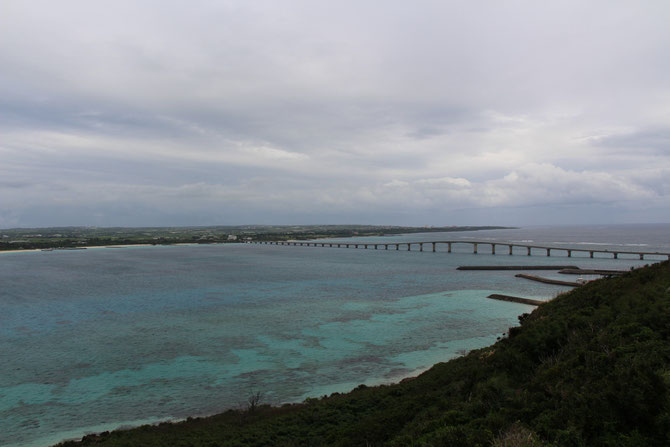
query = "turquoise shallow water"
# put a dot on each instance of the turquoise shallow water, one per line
(94, 339)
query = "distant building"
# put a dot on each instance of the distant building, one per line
(232, 237)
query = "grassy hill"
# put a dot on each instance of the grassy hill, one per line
(590, 368)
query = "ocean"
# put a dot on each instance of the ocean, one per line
(96, 339)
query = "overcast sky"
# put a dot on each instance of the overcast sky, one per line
(385, 112)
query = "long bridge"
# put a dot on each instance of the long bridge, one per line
(495, 247)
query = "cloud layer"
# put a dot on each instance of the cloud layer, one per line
(430, 112)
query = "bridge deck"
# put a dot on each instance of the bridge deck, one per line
(475, 244)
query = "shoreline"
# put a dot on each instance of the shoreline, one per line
(316, 393)
(127, 425)
(33, 250)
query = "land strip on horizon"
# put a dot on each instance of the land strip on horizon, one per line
(17, 239)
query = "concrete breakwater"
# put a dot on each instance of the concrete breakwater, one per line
(515, 299)
(578, 271)
(547, 280)
(518, 267)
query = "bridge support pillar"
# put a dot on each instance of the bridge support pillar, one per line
(642, 257)
(569, 253)
(590, 254)
(375, 246)
(356, 246)
(528, 251)
(420, 247)
(449, 247)
(474, 248)
(433, 247)
(493, 249)
(616, 255)
(397, 246)
(548, 251)
(409, 247)
(510, 250)
(386, 246)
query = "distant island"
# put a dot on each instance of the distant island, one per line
(80, 237)
(589, 368)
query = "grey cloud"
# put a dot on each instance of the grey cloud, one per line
(14, 184)
(295, 110)
(651, 140)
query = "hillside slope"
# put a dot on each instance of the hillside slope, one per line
(590, 368)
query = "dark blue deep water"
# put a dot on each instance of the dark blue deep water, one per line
(95, 339)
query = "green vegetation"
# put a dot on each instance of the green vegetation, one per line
(590, 368)
(75, 237)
